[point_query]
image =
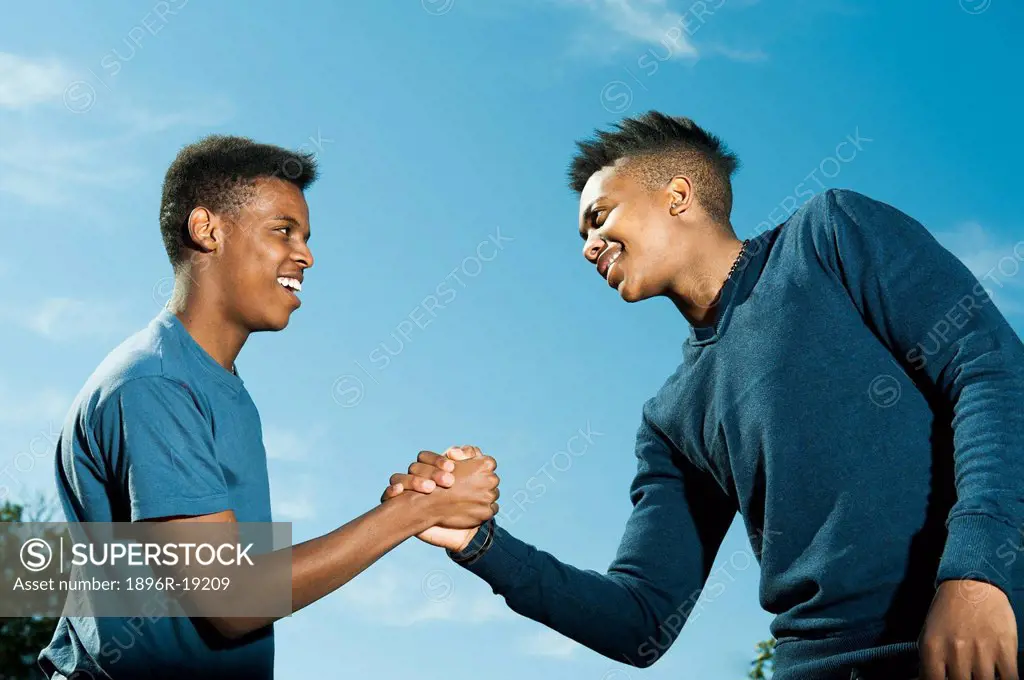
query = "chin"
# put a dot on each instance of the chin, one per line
(632, 293)
(275, 323)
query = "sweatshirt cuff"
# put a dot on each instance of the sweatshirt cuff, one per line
(499, 562)
(480, 544)
(979, 548)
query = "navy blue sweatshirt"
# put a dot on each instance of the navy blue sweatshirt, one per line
(860, 402)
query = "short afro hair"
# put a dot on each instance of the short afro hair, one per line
(657, 147)
(219, 173)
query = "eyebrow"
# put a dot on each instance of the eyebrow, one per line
(291, 220)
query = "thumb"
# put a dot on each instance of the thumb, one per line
(459, 453)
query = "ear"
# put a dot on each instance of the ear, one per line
(680, 191)
(204, 230)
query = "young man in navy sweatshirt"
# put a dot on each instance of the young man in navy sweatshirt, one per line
(847, 386)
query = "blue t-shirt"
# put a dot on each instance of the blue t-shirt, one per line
(160, 429)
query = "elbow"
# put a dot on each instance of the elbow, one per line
(224, 627)
(646, 653)
(650, 645)
(639, 648)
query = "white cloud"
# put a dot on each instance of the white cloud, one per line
(26, 82)
(621, 24)
(210, 112)
(294, 490)
(667, 31)
(550, 644)
(293, 498)
(293, 509)
(284, 444)
(997, 261)
(44, 165)
(66, 319)
(86, 145)
(748, 56)
(33, 407)
(385, 594)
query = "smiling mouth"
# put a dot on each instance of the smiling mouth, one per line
(290, 284)
(611, 263)
(605, 262)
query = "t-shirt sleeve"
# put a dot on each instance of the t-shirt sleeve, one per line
(160, 449)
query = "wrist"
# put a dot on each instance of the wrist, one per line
(417, 512)
(478, 544)
(470, 535)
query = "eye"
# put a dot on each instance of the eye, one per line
(285, 229)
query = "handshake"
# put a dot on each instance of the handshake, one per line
(455, 492)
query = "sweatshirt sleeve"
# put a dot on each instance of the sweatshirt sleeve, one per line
(633, 612)
(916, 296)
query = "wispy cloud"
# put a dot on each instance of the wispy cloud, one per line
(285, 444)
(996, 260)
(293, 508)
(33, 407)
(68, 153)
(548, 643)
(293, 497)
(391, 596)
(26, 82)
(139, 120)
(748, 56)
(65, 319)
(296, 492)
(42, 169)
(615, 26)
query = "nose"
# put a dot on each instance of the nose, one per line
(593, 247)
(303, 256)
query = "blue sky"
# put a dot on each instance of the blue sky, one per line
(443, 129)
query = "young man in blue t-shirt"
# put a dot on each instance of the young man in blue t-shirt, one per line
(165, 431)
(847, 386)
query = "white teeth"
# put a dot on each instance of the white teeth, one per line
(293, 284)
(611, 261)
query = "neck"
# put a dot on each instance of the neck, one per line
(695, 291)
(204, 318)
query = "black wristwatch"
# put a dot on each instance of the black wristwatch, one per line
(480, 544)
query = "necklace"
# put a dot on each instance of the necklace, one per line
(736, 262)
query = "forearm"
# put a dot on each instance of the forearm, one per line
(986, 521)
(619, 614)
(322, 565)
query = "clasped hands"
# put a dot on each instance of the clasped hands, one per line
(459, 493)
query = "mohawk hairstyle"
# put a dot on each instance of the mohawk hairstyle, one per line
(657, 147)
(219, 173)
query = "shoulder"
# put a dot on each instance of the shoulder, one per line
(835, 216)
(140, 368)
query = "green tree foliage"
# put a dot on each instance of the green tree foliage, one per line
(22, 638)
(763, 664)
